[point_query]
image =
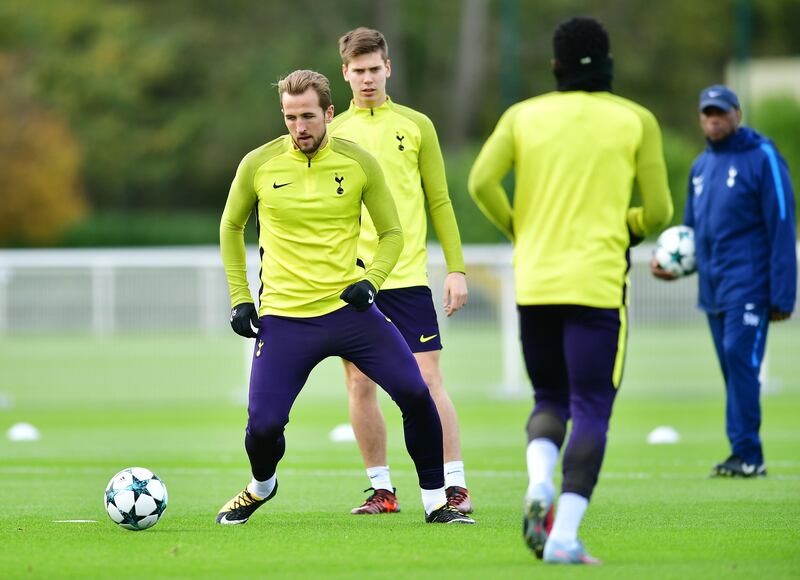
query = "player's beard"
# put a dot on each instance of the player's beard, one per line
(310, 147)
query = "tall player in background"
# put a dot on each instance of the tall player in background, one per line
(307, 191)
(576, 153)
(405, 144)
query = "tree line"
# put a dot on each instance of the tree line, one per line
(147, 107)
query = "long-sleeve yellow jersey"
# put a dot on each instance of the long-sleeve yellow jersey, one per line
(405, 144)
(308, 215)
(575, 157)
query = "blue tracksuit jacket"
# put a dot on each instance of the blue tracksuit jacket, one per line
(741, 206)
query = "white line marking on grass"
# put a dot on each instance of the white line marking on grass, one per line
(358, 473)
(74, 521)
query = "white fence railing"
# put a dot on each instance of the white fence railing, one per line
(178, 290)
(105, 291)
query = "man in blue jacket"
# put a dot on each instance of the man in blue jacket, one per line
(741, 206)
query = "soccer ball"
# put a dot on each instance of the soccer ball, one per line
(135, 498)
(675, 250)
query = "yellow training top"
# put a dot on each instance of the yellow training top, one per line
(405, 144)
(575, 156)
(308, 213)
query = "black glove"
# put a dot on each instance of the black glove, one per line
(244, 320)
(634, 239)
(360, 295)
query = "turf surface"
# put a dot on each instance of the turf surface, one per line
(175, 405)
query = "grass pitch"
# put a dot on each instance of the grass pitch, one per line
(175, 405)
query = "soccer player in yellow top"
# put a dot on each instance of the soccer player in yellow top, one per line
(575, 153)
(307, 191)
(405, 144)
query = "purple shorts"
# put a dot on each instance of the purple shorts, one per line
(574, 356)
(412, 312)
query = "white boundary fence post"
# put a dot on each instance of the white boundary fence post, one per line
(102, 298)
(513, 385)
(496, 259)
(208, 298)
(5, 280)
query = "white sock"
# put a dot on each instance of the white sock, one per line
(262, 489)
(569, 514)
(433, 499)
(379, 477)
(542, 456)
(454, 474)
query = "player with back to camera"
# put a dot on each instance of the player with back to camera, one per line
(405, 144)
(307, 190)
(740, 204)
(575, 153)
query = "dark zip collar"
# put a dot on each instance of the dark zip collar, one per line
(321, 153)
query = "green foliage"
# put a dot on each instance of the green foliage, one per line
(40, 182)
(472, 224)
(149, 228)
(166, 102)
(679, 153)
(165, 98)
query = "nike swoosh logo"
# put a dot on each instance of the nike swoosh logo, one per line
(423, 338)
(276, 185)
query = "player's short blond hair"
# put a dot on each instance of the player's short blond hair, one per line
(362, 41)
(299, 81)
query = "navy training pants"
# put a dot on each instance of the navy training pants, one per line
(286, 351)
(574, 356)
(740, 338)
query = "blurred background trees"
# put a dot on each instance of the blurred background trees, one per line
(123, 122)
(40, 184)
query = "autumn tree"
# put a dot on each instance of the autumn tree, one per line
(40, 186)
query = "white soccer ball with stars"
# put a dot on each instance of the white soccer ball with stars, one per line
(675, 250)
(135, 498)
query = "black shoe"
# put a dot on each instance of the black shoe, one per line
(239, 509)
(447, 514)
(734, 466)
